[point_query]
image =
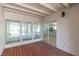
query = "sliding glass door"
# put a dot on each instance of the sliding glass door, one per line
(36, 31)
(13, 32)
(45, 32)
(49, 33)
(27, 31)
(52, 33)
(22, 32)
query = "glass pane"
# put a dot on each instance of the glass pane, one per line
(45, 32)
(52, 33)
(27, 31)
(37, 31)
(13, 32)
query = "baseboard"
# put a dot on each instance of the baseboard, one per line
(1, 51)
(27, 42)
(66, 51)
(18, 43)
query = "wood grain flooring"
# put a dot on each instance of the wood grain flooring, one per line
(34, 49)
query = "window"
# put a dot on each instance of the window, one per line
(37, 31)
(26, 32)
(52, 27)
(13, 32)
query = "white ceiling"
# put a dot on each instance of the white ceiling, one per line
(39, 9)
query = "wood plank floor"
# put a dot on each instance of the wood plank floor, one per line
(34, 49)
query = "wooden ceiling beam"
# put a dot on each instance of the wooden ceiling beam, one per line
(66, 5)
(33, 8)
(21, 9)
(49, 7)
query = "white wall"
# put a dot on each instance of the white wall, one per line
(67, 29)
(2, 28)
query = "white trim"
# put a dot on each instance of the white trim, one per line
(12, 44)
(31, 41)
(48, 33)
(1, 51)
(21, 32)
(41, 31)
(33, 31)
(18, 43)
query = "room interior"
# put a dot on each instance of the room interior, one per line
(39, 29)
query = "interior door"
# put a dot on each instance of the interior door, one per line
(13, 32)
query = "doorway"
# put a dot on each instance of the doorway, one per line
(49, 33)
